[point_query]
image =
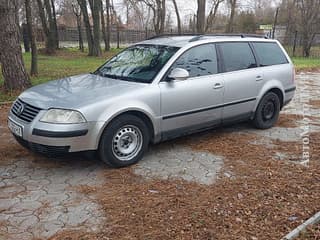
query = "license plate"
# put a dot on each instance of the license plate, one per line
(15, 128)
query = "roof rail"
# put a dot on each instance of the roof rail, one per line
(197, 36)
(172, 35)
(242, 35)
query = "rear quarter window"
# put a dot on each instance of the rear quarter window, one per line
(269, 54)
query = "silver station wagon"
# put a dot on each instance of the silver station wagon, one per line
(158, 89)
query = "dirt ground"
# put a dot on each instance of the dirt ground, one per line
(230, 183)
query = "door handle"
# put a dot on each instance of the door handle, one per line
(217, 86)
(259, 78)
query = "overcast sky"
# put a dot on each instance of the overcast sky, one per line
(189, 7)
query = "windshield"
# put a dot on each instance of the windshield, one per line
(140, 63)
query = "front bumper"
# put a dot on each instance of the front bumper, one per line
(47, 137)
(51, 151)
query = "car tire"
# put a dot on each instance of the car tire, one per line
(267, 112)
(124, 141)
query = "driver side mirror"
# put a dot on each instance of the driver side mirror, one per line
(179, 74)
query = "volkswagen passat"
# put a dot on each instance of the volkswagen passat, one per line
(157, 89)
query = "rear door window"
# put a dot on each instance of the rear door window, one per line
(237, 56)
(269, 53)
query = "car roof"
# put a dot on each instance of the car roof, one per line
(181, 41)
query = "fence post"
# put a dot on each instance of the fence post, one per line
(146, 33)
(294, 43)
(118, 36)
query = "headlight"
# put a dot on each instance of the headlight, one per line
(62, 116)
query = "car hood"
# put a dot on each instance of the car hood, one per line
(77, 91)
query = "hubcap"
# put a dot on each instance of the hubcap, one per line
(127, 143)
(268, 110)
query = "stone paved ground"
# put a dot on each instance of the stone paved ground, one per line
(39, 197)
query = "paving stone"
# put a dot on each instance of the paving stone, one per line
(28, 205)
(33, 185)
(20, 236)
(23, 222)
(32, 195)
(6, 204)
(54, 198)
(11, 191)
(193, 166)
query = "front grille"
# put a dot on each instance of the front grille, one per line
(50, 151)
(24, 111)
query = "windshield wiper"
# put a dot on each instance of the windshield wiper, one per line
(111, 76)
(124, 78)
(97, 72)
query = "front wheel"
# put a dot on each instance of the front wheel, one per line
(267, 112)
(124, 141)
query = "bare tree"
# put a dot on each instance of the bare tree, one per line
(176, 9)
(201, 16)
(77, 13)
(158, 8)
(288, 17)
(49, 24)
(86, 21)
(34, 54)
(13, 69)
(93, 37)
(140, 14)
(310, 17)
(213, 13)
(233, 5)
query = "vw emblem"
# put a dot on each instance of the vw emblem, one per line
(20, 109)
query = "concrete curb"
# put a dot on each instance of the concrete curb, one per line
(295, 232)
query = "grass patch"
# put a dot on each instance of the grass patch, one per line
(306, 63)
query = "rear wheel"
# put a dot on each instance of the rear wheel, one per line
(267, 112)
(124, 141)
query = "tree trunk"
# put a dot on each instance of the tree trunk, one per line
(34, 54)
(77, 12)
(52, 26)
(162, 9)
(178, 15)
(233, 4)
(81, 48)
(25, 37)
(54, 15)
(275, 22)
(103, 26)
(108, 25)
(83, 6)
(201, 16)
(13, 69)
(95, 6)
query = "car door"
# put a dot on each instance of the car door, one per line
(242, 80)
(193, 103)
